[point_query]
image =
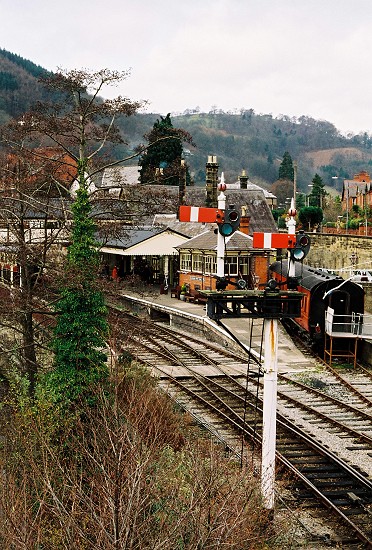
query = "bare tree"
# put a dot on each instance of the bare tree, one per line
(80, 126)
(136, 475)
(33, 216)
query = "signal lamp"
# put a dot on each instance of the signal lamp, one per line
(230, 222)
(241, 284)
(302, 247)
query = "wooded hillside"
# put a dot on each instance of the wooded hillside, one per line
(241, 139)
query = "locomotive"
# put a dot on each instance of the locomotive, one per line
(346, 299)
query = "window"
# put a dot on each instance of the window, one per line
(244, 265)
(197, 262)
(210, 264)
(36, 224)
(185, 261)
(231, 266)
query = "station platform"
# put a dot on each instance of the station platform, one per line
(290, 359)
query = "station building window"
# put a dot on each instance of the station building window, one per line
(197, 263)
(185, 262)
(210, 264)
(244, 265)
(231, 266)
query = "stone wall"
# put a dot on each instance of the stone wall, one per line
(335, 251)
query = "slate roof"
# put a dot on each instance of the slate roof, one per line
(119, 176)
(208, 241)
(253, 198)
(132, 237)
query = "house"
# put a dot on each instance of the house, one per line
(243, 182)
(357, 191)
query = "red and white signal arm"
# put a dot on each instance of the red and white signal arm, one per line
(200, 214)
(274, 240)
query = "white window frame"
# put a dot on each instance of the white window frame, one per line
(197, 263)
(210, 264)
(244, 265)
(230, 263)
(185, 261)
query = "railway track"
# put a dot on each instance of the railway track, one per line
(207, 380)
(358, 381)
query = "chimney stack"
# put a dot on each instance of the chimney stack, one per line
(182, 184)
(211, 182)
(243, 178)
(244, 221)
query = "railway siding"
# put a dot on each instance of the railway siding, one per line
(184, 359)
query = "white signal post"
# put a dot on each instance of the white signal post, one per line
(291, 225)
(220, 238)
(270, 388)
(269, 412)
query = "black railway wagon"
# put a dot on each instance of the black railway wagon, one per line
(346, 298)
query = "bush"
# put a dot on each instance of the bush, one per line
(130, 473)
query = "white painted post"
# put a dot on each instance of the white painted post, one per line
(220, 238)
(291, 225)
(269, 412)
(166, 273)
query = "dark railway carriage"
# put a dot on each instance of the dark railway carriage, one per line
(315, 284)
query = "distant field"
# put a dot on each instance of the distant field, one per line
(324, 156)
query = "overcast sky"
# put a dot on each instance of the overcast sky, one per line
(292, 57)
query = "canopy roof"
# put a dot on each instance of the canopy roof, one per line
(146, 242)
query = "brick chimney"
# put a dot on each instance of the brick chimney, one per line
(211, 182)
(244, 221)
(182, 184)
(243, 178)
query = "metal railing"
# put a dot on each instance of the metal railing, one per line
(348, 326)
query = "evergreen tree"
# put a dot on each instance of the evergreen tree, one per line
(317, 192)
(81, 330)
(286, 171)
(161, 161)
(310, 216)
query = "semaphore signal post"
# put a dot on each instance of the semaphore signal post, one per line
(269, 304)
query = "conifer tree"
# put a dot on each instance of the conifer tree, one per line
(161, 161)
(317, 192)
(286, 171)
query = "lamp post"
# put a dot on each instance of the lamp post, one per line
(308, 196)
(347, 201)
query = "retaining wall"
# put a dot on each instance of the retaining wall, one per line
(335, 252)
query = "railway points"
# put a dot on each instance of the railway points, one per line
(158, 346)
(194, 317)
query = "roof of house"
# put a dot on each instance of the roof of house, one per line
(251, 187)
(261, 218)
(117, 176)
(208, 241)
(191, 229)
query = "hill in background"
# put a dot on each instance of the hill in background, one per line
(241, 140)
